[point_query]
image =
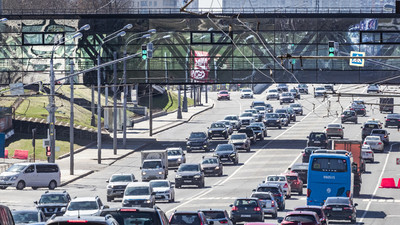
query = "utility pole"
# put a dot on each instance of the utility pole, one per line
(51, 107)
(93, 119)
(98, 110)
(115, 139)
(179, 116)
(71, 121)
(150, 111)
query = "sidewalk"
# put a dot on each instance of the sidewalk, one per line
(138, 137)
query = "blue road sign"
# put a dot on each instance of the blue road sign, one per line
(2, 144)
(357, 61)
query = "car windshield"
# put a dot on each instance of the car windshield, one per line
(343, 201)
(226, 122)
(247, 114)
(393, 116)
(151, 164)
(320, 89)
(273, 91)
(291, 178)
(174, 152)
(251, 111)
(274, 115)
(371, 125)
(317, 136)
(246, 202)
(223, 147)
(137, 191)
(276, 178)
(231, 118)
(282, 115)
(25, 217)
(286, 94)
(238, 136)
(281, 111)
(246, 90)
(159, 184)
(372, 138)
(307, 209)
(121, 178)
(46, 199)
(210, 161)
(188, 167)
(269, 189)
(300, 218)
(378, 132)
(84, 205)
(223, 92)
(134, 218)
(255, 127)
(214, 214)
(217, 125)
(293, 90)
(189, 219)
(197, 135)
(295, 105)
(260, 108)
(261, 196)
(348, 113)
(334, 126)
(16, 168)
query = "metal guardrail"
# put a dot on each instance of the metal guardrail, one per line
(269, 10)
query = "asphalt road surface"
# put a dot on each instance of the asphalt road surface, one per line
(274, 155)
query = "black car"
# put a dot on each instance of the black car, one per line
(189, 174)
(286, 97)
(303, 88)
(197, 140)
(301, 169)
(247, 209)
(212, 166)
(317, 139)
(78, 220)
(188, 218)
(340, 208)
(288, 111)
(218, 130)
(360, 109)
(54, 202)
(250, 133)
(258, 131)
(367, 128)
(392, 120)
(307, 152)
(272, 120)
(349, 116)
(6, 216)
(127, 215)
(227, 153)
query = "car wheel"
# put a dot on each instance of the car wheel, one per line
(189, 150)
(109, 199)
(280, 103)
(236, 162)
(34, 188)
(201, 185)
(20, 185)
(172, 200)
(207, 149)
(52, 185)
(177, 185)
(274, 215)
(262, 138)
(301, 191)
(353, 220)
(2, 188)
(267, 98)
(355, 122)
(248, 149)
(372, 160)
(341, 137)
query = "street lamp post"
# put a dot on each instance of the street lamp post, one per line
(108, 38)
(51, 108)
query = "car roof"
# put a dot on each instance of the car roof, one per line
(138, 184)
(309, 207)
(290, 174)
(118, 209)
(152, 181)
(214, 210)
(269, 185)
(79, 199)
(186, 212)
(302, 212)
(89, 218)
(55, 193)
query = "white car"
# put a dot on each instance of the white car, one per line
(367, 153)
(246, 118)
(163, 190)
(176, 156)
(374, 142)
(319, 92)
(246, 93)
(373, 88)
(272, 94)
(85, 206)
(282, 181)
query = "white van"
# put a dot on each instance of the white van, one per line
(21, 175)
(138, 194)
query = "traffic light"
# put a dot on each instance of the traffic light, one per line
(331, 48)
(48, 151)
(144, 51)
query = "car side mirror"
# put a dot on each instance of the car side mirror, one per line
(361, 127)
(140, 167)
(36, 202)
(280, 220)
(183, 154)
(324, 127)
(211, 222)
(355, 204)
(107, 181)
(231, 205)
(343, 127)
(263, 181)
(163, 167)
(388, 133)
(308, 136)
(106, 207)
(175, 171)
(208, 128)
(135, 180)
(187, 139)
(153, 193)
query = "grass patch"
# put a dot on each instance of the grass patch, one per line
(166, 102)
(25, 143)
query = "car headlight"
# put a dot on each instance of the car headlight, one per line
(205, 142)
(232, 154)
(148, 201)
(161, 172)
(277, 121)
(179, 159)
(143, 173)
(125, 201)
(178, 176)
(217, 168)
(188, 143)
(110, 186)
(14, 177)
(223, 131)
(197, 176)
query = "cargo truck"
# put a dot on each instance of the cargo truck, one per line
(358, 165)
(154, 165)
(386, 105)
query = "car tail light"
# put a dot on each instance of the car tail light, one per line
(385, 136)
(128, 210)
(339, 129)
(285, 186)
(379, 143)
(223, 221)
(348, 193)
(258, 209)
(398, 120)
(327, 207)
(234, 208)
(272, 203)
(387, 120)
(347, 208)
(342, 115)
(351, 109)
(362, 109)
(279, 195)
(308, 192)
(77, 221)
(365, 143)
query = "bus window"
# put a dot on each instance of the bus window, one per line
(329, 165)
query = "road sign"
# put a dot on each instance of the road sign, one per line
(398, 161)
(357, 62)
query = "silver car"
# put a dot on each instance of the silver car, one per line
(273, 94)
(334, 130)
(367, 153)
(163, 190)
(269, 205)
(176, 156)
(374, 142)
(217, 216)
(382, 133)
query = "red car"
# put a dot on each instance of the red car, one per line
(224, 95)
(300, 217)
(317, 209)
(296, 184)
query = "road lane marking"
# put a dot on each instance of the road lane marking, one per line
(377, 184)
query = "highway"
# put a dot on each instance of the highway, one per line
(274, 155)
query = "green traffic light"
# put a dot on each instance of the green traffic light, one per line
(144, 56)
(331, 54)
